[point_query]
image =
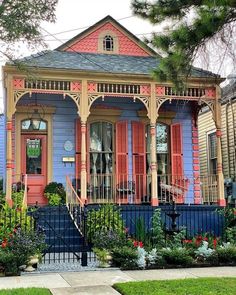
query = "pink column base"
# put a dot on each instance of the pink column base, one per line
(155, 202)
(197, 201)
(222, 202)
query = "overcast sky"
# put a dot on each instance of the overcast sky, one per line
(77, 15)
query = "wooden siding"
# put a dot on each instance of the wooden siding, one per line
(229, 160)
(2, 147)
(63, 129)
(207, 125)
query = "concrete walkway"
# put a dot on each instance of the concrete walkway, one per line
(99, 282)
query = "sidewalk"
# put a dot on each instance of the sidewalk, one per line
(99, 282)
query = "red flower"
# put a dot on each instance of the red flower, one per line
(138, 244)
(4, 244)
(141, 244)
(135, 243)
(214, 243)
(205, 239)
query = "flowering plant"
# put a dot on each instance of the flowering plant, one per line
(138, 244)
(23, 244)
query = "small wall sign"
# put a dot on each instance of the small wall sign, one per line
(68, 146)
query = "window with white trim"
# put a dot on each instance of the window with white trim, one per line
(212, 153)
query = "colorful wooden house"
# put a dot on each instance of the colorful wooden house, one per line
(90, 115)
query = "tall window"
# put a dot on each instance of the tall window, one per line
(212, 153)
(162, 148)
(108, 43)
(101, 148)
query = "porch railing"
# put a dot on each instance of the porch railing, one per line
(20, 183)
(136, 189)
(75, 205)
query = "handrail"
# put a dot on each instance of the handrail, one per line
(24, 201)
(70, 186)
(75, 206)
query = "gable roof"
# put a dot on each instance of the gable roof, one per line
(136, 64)
(106, 20)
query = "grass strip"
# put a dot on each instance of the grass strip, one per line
(199, 286)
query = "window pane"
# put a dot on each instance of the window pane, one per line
(212, 145)
(162, 164)
(95, 137)
(33, 124)
(162, 138)
(106, 137)
(33, 156)
(101, 146)
(108, 43)
(148, 138)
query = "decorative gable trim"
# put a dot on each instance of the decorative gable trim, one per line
(86, 39)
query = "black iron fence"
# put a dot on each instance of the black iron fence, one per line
(138, 220)
(65, 243)
(11, 219)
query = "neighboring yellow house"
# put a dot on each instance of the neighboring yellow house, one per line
(207, 137)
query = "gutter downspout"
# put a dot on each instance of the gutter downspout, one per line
(227, 136)
(234, 141)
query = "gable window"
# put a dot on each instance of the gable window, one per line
(212, 153)
(108, 43)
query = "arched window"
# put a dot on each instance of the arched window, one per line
(33, 125)
(108, 43)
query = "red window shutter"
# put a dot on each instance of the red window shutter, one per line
(77, 148)
(176, 150)
(121, 151)
(139, 159)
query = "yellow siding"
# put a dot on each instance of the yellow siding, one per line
(206, 125)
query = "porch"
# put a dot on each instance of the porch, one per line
(127, 189)
(124, 145)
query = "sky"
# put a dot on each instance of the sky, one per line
(77, 15)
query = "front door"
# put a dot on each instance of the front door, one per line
(34, 164)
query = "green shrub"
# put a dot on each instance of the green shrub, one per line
(56, 188)
(8, 262)
(157, 230)
(226, 254)
(213, 259)
(177, 256)
(125, 257)
(105, 218)
(230, 234)
(53, 199)
(103, 256)
(12, 218)
(17, 198)
(109, 239)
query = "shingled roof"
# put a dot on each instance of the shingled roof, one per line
(102, 63)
